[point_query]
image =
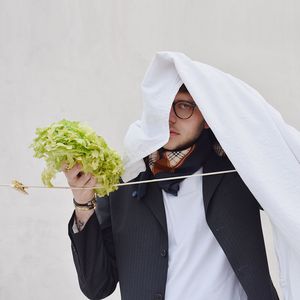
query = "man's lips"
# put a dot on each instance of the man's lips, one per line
(173, 132)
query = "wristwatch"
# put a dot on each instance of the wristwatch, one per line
(86, 206)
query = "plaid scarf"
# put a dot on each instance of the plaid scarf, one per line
(168, 161)
(164, 163)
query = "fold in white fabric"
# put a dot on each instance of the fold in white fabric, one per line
(263, 148)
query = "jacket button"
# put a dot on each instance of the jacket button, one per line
(134, 194)
(163, 252)
(158, 297)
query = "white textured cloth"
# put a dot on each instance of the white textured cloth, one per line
(198, 267)
(249, 130)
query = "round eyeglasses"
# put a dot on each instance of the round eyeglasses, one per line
(183, 109)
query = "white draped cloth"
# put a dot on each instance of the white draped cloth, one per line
(263, 148)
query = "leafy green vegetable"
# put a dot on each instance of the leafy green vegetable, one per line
(75, 142)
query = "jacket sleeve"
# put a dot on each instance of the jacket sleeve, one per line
(93, 253)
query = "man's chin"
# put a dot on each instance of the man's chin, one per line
(178, 147)
(168, 147)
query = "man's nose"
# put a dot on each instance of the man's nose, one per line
(172, 116)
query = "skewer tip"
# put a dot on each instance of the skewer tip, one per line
(19, 186)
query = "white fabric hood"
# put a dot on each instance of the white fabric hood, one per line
(263, 148)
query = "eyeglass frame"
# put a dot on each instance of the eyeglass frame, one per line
(193, 104)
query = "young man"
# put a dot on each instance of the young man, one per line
(179, 258)
(200, 237)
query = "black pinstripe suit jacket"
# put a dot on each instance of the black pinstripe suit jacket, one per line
(130, 243)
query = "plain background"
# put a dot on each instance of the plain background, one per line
(84, 60)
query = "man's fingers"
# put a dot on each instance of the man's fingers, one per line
(64, 167)
(73, 172)
(76, 177)
(83, 180)
(92, 182)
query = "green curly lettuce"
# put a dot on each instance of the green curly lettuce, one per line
(74, 142)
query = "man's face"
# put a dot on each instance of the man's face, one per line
(183, 132)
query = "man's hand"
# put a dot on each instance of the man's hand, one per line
(77, 178)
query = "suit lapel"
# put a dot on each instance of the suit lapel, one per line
(153, 197)
(154, 200)
(210, 182)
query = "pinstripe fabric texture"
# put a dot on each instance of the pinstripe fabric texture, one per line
(130, 246)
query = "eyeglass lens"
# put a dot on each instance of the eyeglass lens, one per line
(183, 109)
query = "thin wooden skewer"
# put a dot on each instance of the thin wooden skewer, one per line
(22, 188)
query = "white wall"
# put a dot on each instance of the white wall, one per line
(84, 60)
